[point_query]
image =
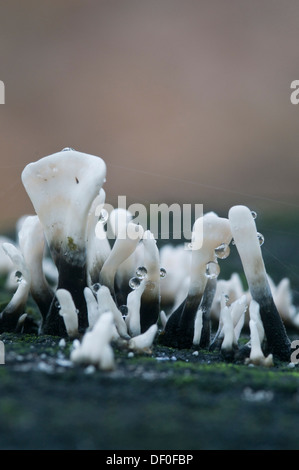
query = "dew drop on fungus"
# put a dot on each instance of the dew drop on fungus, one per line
(222, 251)
(19, 276)
(261, 238)
(254, 214)
(57, 305)
(134, 283)
(141, 272)
(67, 149)
(124, 310)
(212, 270)
(95, 287)
(150, 285)
(104, 216)
(163, 272)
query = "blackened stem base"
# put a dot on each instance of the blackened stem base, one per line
(73, 278)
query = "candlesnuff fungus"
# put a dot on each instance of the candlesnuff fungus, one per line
(245, 237)
(16, 307)
(150, 299)
(125, 244)
(98, 247)
(209, 233)
(62, 187)
(95, 347)
(105, 295)
(32, 244)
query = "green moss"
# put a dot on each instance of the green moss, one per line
(72, 246)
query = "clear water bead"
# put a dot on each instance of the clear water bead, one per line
(212, 270)
(95, 287)
(19, 276)
(254, 214)
(163, 272)
(134, 283)
(141, 272)
(67, 149)
(150, 285)
(124, 310)
(222, 251)
(261, 238)
(104, 216)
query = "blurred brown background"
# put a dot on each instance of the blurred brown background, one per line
(186, 100)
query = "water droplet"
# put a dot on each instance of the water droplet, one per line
(222, 251)
(124, 310)
(233, 242)
(254, 214)
(57, 305)
(212, 270)
(141, 272)
(104, 216)
(67, 149)
(163, 272)
(150, 285)
(134, 283)
(19, 276)
(261, 238)
(95, 287)
(190, 246)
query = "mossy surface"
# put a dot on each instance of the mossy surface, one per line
(169, 399)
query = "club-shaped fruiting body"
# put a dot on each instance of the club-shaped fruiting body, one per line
(133, 306)
(245, 236)
(125, 244)
(144, 341)
(98, 247)
(150, 299)
(95, 348)
(209, 232)
(32, 245)
(105, 304)
(68, 311)
(62, 187)
(12, 312)
(257, 356)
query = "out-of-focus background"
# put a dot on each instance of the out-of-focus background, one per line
(187, 101)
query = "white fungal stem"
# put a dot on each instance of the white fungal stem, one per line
(150, 300)
(68, 311)
(229, 339)
(144, 341)
(98, 246)
(106, 303)
(124, 246)
(32, 244)
(19, 299)
(209, 232)
(257, 356)
(96, 347)
(133, 304)
(246, 239)
(198, 324)
(92, 307)
(238, 309)
(254, 312)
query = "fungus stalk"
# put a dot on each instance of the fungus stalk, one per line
(246, 240)
(62, 188)
(11, 314)
(209, 233)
